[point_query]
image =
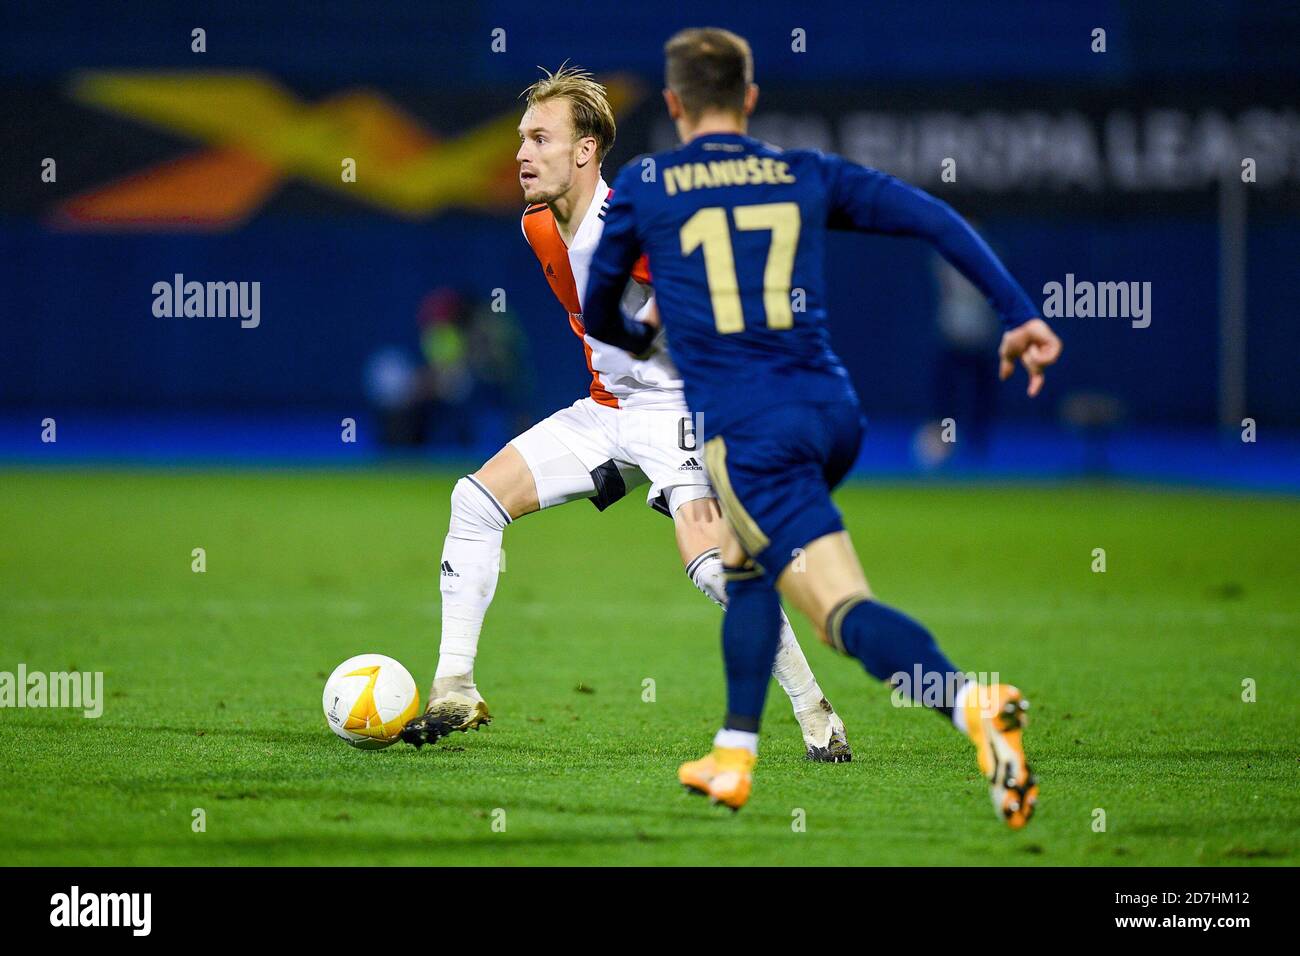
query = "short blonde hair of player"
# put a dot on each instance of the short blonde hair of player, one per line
(588, 104)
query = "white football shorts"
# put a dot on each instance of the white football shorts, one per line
(589, 450)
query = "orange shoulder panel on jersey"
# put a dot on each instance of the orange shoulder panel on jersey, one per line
(543, 236)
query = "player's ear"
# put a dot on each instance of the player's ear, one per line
(587, 150)
(674, 104)
(751, 99)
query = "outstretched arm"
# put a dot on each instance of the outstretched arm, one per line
(871, 201)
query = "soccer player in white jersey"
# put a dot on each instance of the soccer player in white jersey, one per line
(632, 429)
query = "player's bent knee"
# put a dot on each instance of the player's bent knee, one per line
(699, 513)
(826, 575)
(819, 600)
(474, 505)
(506, 477)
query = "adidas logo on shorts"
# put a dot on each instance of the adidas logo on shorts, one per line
(448, 571)
(691, 464)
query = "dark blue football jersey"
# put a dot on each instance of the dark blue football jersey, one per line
(735, 231)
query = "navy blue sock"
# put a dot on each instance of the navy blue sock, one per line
(895, 648)
(751, 634)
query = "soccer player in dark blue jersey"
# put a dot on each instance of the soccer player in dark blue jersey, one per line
(735, 231)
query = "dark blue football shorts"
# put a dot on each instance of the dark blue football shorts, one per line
(774, 472)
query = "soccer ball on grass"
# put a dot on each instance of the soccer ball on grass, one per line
(368, 699)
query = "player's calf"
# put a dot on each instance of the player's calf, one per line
(888, 643)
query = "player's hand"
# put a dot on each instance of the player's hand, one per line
(1035, 345)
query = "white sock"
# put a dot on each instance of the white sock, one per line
(706, 573)
(744, 739)
(959, 706)
(790, 668)
(471, 563)
(792, 672)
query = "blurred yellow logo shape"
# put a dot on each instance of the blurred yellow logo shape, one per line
(364, 716)
(258, 134)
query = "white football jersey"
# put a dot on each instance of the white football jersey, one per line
(617, 379)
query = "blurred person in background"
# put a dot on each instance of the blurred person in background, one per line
(499, 365)
(448, 380)
(474, 368)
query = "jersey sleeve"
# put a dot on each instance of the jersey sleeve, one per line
(867, 200)
(611, 266)
(638, 297)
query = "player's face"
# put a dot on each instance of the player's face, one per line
(547, 154)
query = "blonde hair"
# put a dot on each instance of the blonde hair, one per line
(588, 104)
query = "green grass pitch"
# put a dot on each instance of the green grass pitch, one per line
(213, 680)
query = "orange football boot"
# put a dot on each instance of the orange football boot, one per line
(995, 718)
(725, 776)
